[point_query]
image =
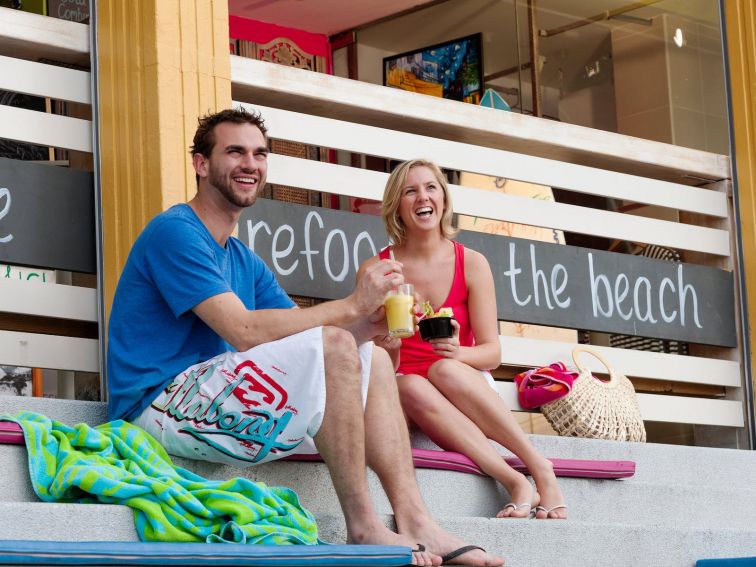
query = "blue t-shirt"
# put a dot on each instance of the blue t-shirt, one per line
(153, 334)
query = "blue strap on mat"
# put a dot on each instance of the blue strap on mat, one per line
(727, 562)
(29, 552)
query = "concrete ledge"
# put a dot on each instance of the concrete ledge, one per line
(67, 411)
(449, 493)
(67, 522)
(535, 543)
(524, 543)
(656, 463)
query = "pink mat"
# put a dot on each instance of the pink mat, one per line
(451, 461)
(11, 433)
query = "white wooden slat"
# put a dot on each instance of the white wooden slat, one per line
(583, 220)
(48, 351)
(43, 80)
(669, 409)
(33, 36)
(518, 351)
(45, 129)
(274, 85)
(370, 140)
(700, 411)
(320, 176)
(48, 300)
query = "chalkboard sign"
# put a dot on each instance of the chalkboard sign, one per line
(72, 10)
(316, 252)
(47, 216)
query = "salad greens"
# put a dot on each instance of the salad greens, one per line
(428, 311)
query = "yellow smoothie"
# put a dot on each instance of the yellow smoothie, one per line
(401, 321)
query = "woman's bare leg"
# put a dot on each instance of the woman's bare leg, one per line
(464, 387)
(451, 429)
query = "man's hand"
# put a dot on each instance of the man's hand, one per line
(369, 328)
(373, 285)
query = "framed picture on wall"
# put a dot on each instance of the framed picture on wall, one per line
(452, 69)
(15, 381)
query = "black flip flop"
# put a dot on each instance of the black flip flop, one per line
(457, 552)
(420, 547)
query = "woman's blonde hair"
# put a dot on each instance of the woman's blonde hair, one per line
(392, 196)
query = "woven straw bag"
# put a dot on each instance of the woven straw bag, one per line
(597, 409)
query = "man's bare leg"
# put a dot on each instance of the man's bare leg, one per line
(341, 442)
(389, 455)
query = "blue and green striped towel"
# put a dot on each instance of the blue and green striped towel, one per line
(119, 463)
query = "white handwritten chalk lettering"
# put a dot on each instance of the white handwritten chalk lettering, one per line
(684, 289)
(345, 267)
(666, 282)
(641, 281)
(646, 300)
(512, 273)
(78, 13)
(538, 275)
(5, 192)
(308, 251)
(364, 235)
(557, 288)
(337, 261)
(595, 300)
(553, 287)
(252, 232)
(619, 296)
(278, 254)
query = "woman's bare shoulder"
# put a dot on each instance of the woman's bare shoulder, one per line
(476, 261)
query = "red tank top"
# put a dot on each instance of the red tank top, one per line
(417, 355)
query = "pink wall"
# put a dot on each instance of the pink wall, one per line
(263, 32)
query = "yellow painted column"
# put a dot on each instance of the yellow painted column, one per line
(740, 16)
(162, 63)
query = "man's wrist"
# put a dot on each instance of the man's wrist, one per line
(350, 311)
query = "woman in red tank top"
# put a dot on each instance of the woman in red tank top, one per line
(444, 384)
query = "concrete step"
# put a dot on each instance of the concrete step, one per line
(67, 411)
(673, 486)
(536, 543)
(450, 493)
(655, 463)
(524, 543)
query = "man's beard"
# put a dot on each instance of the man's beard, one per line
(223, 184)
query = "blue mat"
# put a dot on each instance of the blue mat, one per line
(733, 562)
(28, 552)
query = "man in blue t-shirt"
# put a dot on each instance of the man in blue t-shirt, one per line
(207, 354)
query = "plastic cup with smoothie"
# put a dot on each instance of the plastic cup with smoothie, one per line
(400, 316)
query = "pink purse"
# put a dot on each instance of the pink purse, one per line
(540, 386)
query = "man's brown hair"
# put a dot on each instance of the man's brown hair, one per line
(204, 138)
